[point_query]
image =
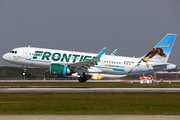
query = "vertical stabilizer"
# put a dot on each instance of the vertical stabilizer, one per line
(160, 52)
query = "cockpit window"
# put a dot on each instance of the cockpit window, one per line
(15, 52)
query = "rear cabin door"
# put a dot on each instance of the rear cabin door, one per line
(139, 67)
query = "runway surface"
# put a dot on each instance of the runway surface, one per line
(77, 81)
(89, 117)
(89, 89)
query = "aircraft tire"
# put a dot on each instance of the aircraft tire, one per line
(82, 79)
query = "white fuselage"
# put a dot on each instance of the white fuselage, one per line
(108, 64)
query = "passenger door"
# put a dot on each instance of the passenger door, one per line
(25, 54)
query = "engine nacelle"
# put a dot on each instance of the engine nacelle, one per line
(96, 77)
(59, 69)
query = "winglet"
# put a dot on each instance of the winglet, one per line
(101, 53)
(114, 52)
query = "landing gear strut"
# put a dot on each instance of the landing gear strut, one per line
(24, 73)
(82, 79)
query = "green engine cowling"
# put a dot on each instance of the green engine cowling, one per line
(59, 69)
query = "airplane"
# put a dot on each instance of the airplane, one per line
(92, 66)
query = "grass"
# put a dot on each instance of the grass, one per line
(90, 103)
(90, 84)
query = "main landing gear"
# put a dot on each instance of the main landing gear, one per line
(82, 79)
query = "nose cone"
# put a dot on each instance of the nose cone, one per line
(5, 57)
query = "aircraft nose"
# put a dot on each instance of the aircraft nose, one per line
(5, 56)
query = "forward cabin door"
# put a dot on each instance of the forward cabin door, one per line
(25, 53)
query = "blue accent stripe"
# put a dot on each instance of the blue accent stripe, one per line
(115, 69)
(38, 60)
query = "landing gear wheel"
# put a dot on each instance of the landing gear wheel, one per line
(82, 79)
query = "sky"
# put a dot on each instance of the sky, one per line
(133, 27)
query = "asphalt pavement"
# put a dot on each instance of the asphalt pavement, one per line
(89, 117)
(89, 89)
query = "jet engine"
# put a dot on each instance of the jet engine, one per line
(59, 69)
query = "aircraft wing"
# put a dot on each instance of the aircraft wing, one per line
(84, 65)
